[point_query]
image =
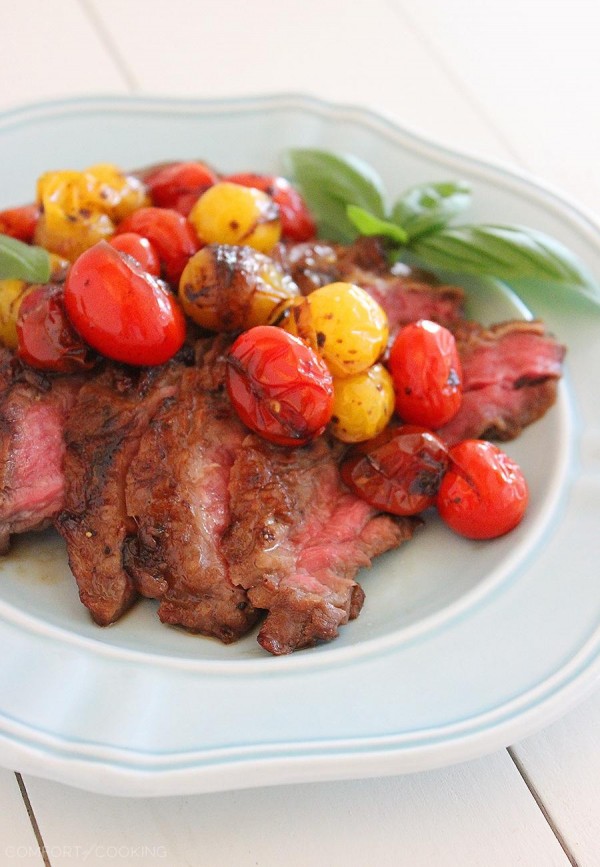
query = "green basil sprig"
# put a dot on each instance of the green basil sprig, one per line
(330, 183)
(506, 252)
(427, 208)
(347, 200)
(19, 261)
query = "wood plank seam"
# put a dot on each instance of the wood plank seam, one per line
(33, 820)
(539, 801)
(111, 49)
(457, 82)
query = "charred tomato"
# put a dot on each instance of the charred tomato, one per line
(20, 222)
(484, 493)
(173, 238)
(399, 471)
(121, 310)
(279, 387)
(297, 223)
(140, 249)
(427, 374)
(46, 338)
(179, 185)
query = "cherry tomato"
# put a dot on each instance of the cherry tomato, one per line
(427, 374)
(173, 238)
(140, 248)
(20, 222)
(297, 223)
(46, 338)
(121, 310)
(280, 387)
(484, 493)
(179, 185)
(399, 472)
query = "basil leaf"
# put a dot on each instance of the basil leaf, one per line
(330, 183)
(429, 207)
(369, 224)
(510, 253)
(19, 261)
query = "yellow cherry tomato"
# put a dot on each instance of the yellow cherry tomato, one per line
(71, 220)
(81, 208)
(363, 404)
(295, 317)
(227, 288)
(229, 213)
(58, 268)
(351, 327)
(114, 192)
(12, 293)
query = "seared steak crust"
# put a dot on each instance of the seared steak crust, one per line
(510, 378)
(102, 436)
(297, 538)
(177, 494)
(405, 295)
(159, 490)
(33, 411)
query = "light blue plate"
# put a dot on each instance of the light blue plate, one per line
(461, 647)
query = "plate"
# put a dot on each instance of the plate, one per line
(461, 648)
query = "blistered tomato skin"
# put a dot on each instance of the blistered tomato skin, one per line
(140, 249)
(398, 472)
(20, 222)
(279, 387)
(351, 328)
(173, 238)
(46, 338)
(80, 208)
(179, 185)
(363, 405)
(427, 374)
(12, 293)
(232, 214)
(484, 493)
(121, 310)
(297, 223)
(227, 288)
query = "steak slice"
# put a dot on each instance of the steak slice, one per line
(33, 411)
(510, 377)
(297, 538)
(177, 493)
(406, 299)
(405, 295)
(102, 435)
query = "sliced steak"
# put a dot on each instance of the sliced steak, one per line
(510, 377)
(405, 299)
(178, 495)
(33, 411)
(102, 436)
(405, 295)
(297, 538)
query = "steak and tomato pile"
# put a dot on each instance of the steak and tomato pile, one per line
(220, 412)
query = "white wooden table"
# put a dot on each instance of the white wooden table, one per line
(512, 81)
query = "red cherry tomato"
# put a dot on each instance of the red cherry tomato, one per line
(399, 471)
(427, 374)
(179, 185)
(484, 493)
(297, 223)
(140, 249)
(121, 310)
(173, 238)
(46, 338)
(279, 386)
(20, 222)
